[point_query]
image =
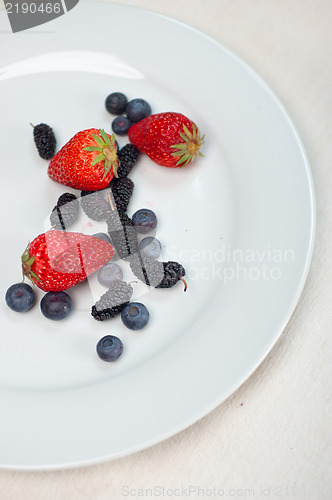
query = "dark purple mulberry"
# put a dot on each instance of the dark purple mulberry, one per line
(121, 231)
(157, 274)
(113, 301)
(122, 190)
(95, 205)
(66, 212)
(127, 156)
(45, 140)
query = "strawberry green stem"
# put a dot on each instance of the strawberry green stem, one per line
(189, 148)
(27, 262)
(107, 150)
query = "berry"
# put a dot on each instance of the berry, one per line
(173, 272)
(169, 139)
(94, 205)
(122, 190)
(45, 140)
(88, 161)
(56, 305)
(150, 271)
(116, 103)
(127, 157)
(103, 236)
(109, 273)
(109, 348)
(150, 247)
(121, 125)
(123, 235)
(157, 274)
(20, 297)
(137, 109)
(113, 301)
(144, 220)
(121, 231)
(57, 260)
(135, 316)
(66, 212)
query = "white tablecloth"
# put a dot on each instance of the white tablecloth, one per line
(272, 438)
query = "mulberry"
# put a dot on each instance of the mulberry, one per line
(157, 274)
(173, 272)
(150, 271)
(94, 205)
(121, 231)
(113, 301)
(127, 156)
(66, 212)
(45, 141)
(122, 190)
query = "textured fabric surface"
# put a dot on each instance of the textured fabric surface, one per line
(272, 438)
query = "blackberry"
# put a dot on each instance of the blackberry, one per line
(122, 190)
(113, 301)
(94, 205)
(66, 211)
(45, 140)
(127, 156)
(157, 274)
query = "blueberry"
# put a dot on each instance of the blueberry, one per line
(109, 348)
(20, 297)
(121, 125)
(137, 109)
(135, 316)
(144, 220)
(150, 247)
(102, 236)
(116, 103)
(109, 273)
(56, 305)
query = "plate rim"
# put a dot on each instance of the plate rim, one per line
(300, 285)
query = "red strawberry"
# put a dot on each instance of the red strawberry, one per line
(57, 260)
(169, 139)
(87, 162)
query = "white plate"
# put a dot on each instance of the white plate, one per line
(241, 220)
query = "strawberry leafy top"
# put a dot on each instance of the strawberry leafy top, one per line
(188, 150)
(107, 149)
(27, 262)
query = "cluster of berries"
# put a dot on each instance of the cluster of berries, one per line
(20, 297)
(55, 261)
(93, 163)
(128, 112)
